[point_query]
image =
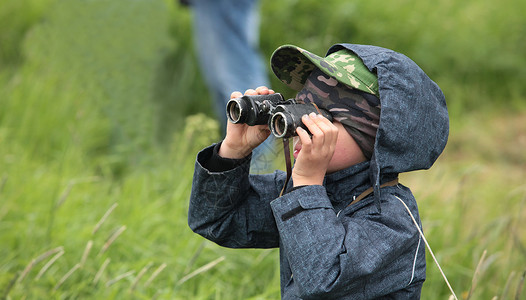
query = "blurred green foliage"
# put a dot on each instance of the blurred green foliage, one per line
(102, 102)
(473, 49)
(16, 19)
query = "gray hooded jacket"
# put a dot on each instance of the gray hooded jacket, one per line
(328, 249)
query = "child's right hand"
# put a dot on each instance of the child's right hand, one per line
(316, 151)
(241, 139)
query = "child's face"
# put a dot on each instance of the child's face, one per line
(347, 153)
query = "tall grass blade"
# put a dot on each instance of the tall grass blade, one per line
(103, 219)
(203, 269)
(194, 257)
(155, 274)
(140, 275)
(64, 195)
(101, 270)
(37, 260)
(504, 293)
(521, 285)
(66, 276)
(112, 239)
(3, 182)
(87, 250)
(10, 285)
(3, 212)
(49, 264)
(118, 278)
(476, 274)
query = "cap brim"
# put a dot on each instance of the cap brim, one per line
(293, 65)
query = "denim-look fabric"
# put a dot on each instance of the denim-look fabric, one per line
(329, 250)
(334, 251)
(414, 122)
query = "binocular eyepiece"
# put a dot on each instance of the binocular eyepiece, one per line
(282, 116)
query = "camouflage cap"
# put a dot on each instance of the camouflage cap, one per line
(292, 65)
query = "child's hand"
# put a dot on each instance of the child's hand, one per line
(316, 152)
(241, 139)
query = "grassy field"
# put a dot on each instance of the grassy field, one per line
(103, 110)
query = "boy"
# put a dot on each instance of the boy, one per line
(342, 230)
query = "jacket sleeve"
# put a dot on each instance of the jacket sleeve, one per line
(231, 207)
(357, 253)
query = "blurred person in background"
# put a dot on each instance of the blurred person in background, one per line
(226, 35)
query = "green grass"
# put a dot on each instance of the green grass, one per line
(103, 106)
(474, 200)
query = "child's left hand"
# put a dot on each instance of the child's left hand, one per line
(316, 152)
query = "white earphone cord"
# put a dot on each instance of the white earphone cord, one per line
(429, 248)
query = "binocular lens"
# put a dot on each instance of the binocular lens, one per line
(233, 111)
(279, 125)
(287, 118)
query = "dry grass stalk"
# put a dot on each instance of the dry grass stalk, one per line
(475, 275)
(87, 250)
(35, 261)
(9, 286)
(4, 212)
(104, 217)
(519, 288)
(3, 182)
(203, 269)
(66, 276)
(101, 270)
(194, 258)
(64, 195)
(155, 274)
(112, 239)
(124, 275)
(140, 275)
(49, 264)
(516, 228)
(504, 293)
(156, 295)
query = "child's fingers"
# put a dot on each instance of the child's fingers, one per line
(262, 90)
(318, 136)
(235, 94)
(305, 139)
(329, 130)
(251, 92)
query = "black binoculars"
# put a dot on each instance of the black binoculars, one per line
(282, 116)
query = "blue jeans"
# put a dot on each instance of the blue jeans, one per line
(226, 35)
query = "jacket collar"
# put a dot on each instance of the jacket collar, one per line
(342, 185)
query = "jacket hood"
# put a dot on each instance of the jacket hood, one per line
(414, 123)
